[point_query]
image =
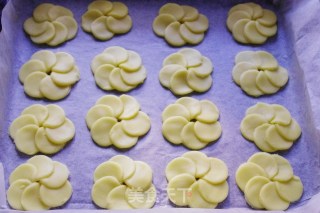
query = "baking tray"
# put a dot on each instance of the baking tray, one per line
(296, 46)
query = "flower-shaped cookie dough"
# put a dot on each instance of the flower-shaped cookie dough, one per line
(251, 24)
(258, 73)
(186, 71)
(191, 122)
(270, 127)
(180, 24)
(49, 75)
(41, 128)
(104, 19)
(39, 184)
(121, 183)
(117, 121)
(118, 69)
(197, 181)
(268, 182)
(51, 24)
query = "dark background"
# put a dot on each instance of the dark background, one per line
(2, 4)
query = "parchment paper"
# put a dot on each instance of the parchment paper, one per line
(296, 47)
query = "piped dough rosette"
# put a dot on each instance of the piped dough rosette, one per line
(39, 184)
(258, 73)
(104, 19)
(121, 183)
(51, 24)
(180, 24)
(270, 127)
(49, 75)
(117, 121)
(118, 69)
(186, 71)
(197, 181)
(268, 182)
(191, 123)
(41, 128)
(249, 23)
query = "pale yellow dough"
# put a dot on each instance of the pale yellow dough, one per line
(252, 191)
(58, 177)
(25, 139)
(178, 188)
(190, 139)
(20, 122)
(49, 75)
(171, 126)
(104, 19)
(270, 127)
(109, 168)
(142, 177)
(258, 73)
(102, 188)
(180, 165)
(30, 199)
(197, 181)
(118, 69)
(192, 123)
(213, 193)
(195, 199)
(200, 160)
(127, 164)
(41, 128)
(51, 24)
(251, 24)
(117, 121)
(186, 71)
(56, 197)
(139, 199)
(209, 112)
(39, 184)
(217, 173)
(121, 183)
(117, 199)
(25, 171)
(268, 182)
(180, 24)
(44, 145)
(120, 138)
(15, 191)
(175, 110)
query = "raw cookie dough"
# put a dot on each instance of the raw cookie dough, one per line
(49, 75)
(186, 71)
(41, 128)
(51, 24)
(197, 181)
(258, 73)
(118, 69)
(39, 184)
(104, 19)
(180, 24)
(191, 123)
(121, 183)
(117, 121)
(270, 127)
(249, 23)
(268, 182)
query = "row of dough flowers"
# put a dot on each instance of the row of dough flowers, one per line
(119, 121)
(194, 180)
(178, 24)
(51, 75)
